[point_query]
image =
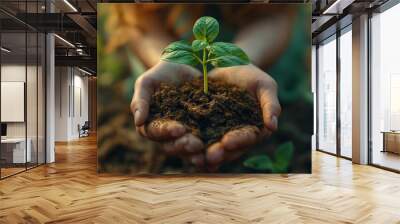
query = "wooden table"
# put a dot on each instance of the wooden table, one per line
(391, 141)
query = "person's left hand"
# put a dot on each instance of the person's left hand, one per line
(259, 84)
(174, 136)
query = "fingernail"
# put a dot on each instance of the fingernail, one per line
(215, 155)
(274, 122)
(136, 117)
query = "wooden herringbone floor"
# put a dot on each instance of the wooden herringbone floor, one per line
(70, 191)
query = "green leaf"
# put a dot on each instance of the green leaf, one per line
(198, 45)
(180, 52)
(227, 54)
(261, 163)
(206, 28)
(178, 45)
(283, 156)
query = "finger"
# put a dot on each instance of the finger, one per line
(232, 156)
(175, 147)
(186, 72)
(141, 99)
(264, 87)
(194, 144)
(240, 138)
(197, 159)
(187, 144)
(163, 130)
(242, 76)
(231, 75)
(267, 95)
(215, 154)
(216, 73)
(141, 130)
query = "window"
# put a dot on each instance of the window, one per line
(22, 77)
(327, 95)
(314, 92)
(385, 89)
(346, 92)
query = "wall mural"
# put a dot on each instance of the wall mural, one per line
(204, 88)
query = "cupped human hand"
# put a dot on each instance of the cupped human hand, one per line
(264, 88)
(176, 139)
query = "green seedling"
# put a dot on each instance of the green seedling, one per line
(204, 50)
(280, 164)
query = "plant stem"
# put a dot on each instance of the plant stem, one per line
(205, 78)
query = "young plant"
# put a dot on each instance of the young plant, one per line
(280, 164)
(204, 50)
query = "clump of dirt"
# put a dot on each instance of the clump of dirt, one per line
(209, 116)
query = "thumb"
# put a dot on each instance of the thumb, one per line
(271, 109)
(141, 99)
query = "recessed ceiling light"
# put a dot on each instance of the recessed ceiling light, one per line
(65, 41)
(337, 7)
(84, 71)
(5, 50)
(70, 5)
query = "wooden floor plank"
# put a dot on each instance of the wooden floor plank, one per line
(70, 191)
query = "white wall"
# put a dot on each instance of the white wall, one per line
(71, 94)
(81, 104)
(33, 127)
(10, 73)
(16, 73)
(13, 100)
(62, 81)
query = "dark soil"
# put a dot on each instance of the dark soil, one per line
(210, 116)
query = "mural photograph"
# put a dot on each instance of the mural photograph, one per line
(204, 88)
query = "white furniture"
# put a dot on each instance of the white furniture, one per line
(17, 146)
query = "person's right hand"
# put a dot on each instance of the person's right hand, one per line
(177, 140)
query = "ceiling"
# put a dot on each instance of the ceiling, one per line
(72, 20)
(332, 15)
(75, 21)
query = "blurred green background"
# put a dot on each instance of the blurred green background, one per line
(122, 150)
